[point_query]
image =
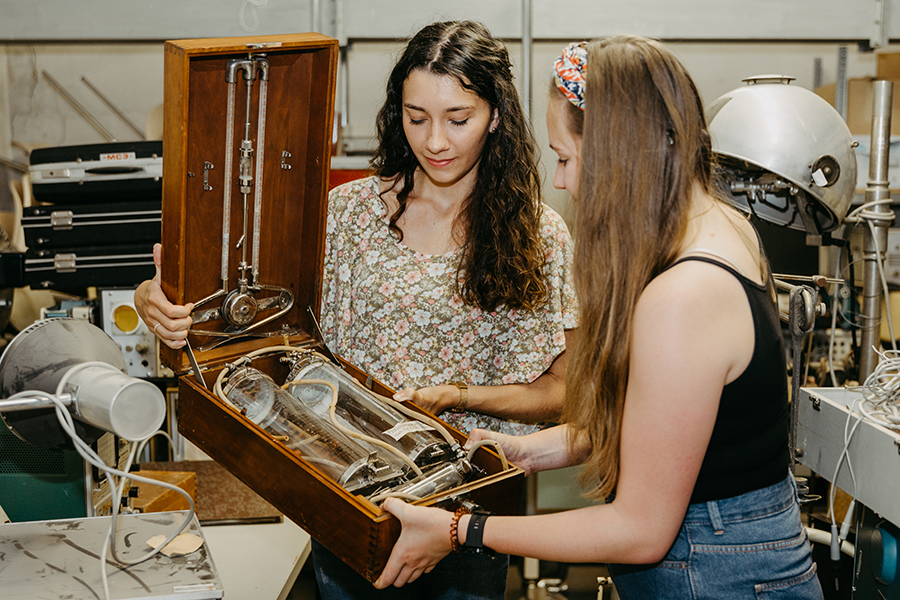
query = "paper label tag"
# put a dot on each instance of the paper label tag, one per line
(400, 429)
(819, 178)
(117, 156)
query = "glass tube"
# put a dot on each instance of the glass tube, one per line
(362, 410)
(353, 464)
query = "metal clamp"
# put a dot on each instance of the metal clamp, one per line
(61, 219)
(64, 263)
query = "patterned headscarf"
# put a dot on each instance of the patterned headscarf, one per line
(569, 72)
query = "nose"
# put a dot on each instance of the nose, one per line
(559, 177)
(437, 141)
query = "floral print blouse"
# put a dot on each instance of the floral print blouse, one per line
(393, 312)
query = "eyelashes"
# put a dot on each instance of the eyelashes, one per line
(456, 123)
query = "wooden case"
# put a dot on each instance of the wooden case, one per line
(299, 115)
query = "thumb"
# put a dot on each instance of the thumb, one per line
(395, 506)
(404, 395)
(477, 435)
(157, 261)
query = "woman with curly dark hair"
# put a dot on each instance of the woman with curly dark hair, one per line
(471, 269)
(444, 273)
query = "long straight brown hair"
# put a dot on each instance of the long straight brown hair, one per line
(645, 145)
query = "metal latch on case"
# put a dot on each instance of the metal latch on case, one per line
(61, 219)
(64, 263)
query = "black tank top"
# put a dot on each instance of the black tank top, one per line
(749, 445)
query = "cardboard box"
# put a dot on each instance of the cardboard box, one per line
(859, 104)
(887, 66)
(202, 260)
(153, 498)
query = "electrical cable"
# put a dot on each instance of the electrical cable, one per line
(879, 403)
(817, 536)
(862, 214)
(91, 457)
(402, 495)
(65, 419)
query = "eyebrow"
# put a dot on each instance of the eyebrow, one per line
(449, 110)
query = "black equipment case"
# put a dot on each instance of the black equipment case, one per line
(74, 270)
(77, 225)
(115, 172)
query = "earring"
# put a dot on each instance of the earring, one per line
(493, 129)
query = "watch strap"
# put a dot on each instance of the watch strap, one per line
(463, 397)
(475, 533)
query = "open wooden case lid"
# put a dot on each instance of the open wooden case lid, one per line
(284, 163)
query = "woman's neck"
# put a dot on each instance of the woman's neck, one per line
(717, 229)
(430, 223)
(444, 195)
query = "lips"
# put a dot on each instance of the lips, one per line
(438, 164)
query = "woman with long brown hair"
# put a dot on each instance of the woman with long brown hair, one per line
(676, 397)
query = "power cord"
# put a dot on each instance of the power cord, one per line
(117, 488)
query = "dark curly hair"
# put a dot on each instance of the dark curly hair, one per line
(502, 259)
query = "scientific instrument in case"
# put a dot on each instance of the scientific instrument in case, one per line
(244, 210)
(371, 446)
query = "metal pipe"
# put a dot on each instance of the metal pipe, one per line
(875, 238)
(20, 404)
(343, 91)
(840, 88)
(115, 110)
(91, 119)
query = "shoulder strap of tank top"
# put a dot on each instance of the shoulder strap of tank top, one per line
(709, 260)
(713, 254)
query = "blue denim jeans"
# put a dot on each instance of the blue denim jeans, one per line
(751, 546)
(457, 577)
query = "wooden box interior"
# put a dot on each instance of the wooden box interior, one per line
(299, 117)
(299, 114)
(353, 528)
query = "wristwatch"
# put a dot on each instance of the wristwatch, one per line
(463, 397)
(475, 534)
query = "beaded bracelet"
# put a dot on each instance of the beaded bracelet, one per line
(454, 528)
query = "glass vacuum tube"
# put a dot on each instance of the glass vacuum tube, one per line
(354, 464)
(364, 411)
